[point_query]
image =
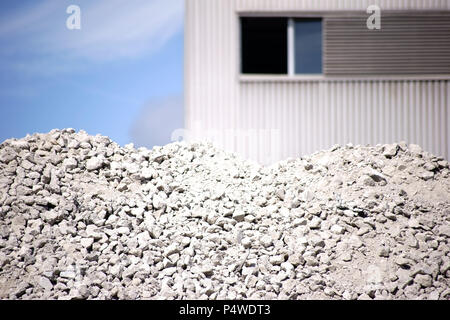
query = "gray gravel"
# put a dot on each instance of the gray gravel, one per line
(83, 218)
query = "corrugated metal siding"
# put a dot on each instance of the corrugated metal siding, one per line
(305, 116)
(211, 66)
(318, 5)
(405, 44)
(315, 115)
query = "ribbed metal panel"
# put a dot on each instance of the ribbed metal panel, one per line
(268, 120)
(405, 44)
(314, 115)
(211, 67)
(321, 5)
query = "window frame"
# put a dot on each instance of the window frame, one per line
(323, 14)
(290, 34)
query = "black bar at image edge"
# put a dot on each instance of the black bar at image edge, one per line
(231, 309)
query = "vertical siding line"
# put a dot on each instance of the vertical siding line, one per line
(406, 111)
(310, 116)
(374, 113)
(352, 115)
(400, 115)
(446, 116)
(345, 114)
(294, 120)
(358, 111)
(285, 122)
(412, 112)
(319, 123)
(431, 106)
(332, 113)
(296, 105)
(369, 110)
(386, 116)
(443, 134)
(425, 110)
(390, 112)
(417, 129)
(340, 111)
(303, 115)
(329, 112)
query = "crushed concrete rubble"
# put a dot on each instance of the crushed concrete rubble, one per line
(83, 218)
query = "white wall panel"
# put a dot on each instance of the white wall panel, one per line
(305, 115)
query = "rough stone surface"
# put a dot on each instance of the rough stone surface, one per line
(83, 218)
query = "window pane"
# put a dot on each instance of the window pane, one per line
(264, 45)
(308, 45)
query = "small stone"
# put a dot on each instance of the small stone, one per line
(159, 201)
(276, 260)
(390, 150)
(45, 283)
(138, 212)
(364, 296)
(444, 230)
(366, 180)
(315, 223)
(20, 289)
(207, 270)
(430, 166)
(384, 252)
(115, 270)
(50, 216)
(171, 249)
(70, 163)
(316, 241)
(426, 175)
(363, 231)
(424, 280)
(311, 261)
(347, 256)
(443, 164)
(149, 173)
(296, 259)
(247, 242)
(123, 230)
(92, 231)
(412, 242)
(86, 242)
(94, 164)
(27, 165)
(355, 242)
(68, 274)
(266, 240)
(239, 216)
(403, 262)
(347, 295)
(337, 229)
(315, 210)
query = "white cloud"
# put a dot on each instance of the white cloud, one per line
(110, 29)
(156, 122)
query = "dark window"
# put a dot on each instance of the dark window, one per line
(264, 45)
(308, 45)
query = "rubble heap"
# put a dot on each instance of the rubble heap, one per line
(83, 218)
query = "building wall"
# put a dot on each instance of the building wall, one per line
(272, 118)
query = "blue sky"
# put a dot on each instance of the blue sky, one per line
(120, 75)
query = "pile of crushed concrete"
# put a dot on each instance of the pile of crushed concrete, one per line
(83, 218)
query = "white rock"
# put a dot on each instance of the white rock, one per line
(45, 283)
(337, 229)
(87, 242)
(94, 164)
(239, 216)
